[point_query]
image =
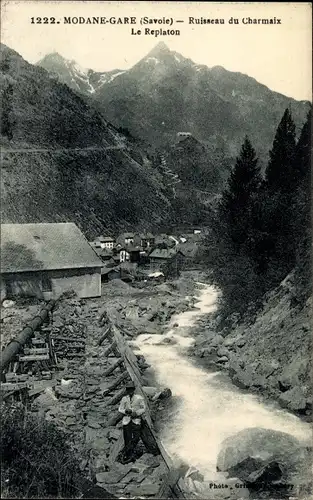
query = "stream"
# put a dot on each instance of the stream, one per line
(210, 408)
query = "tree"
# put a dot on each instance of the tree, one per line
(238, 198)
(302, 224)
(232, 246)
(280, 169)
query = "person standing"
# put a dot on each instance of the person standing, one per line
(133, 408)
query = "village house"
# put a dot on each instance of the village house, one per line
(147, 240)
(168, 260)
(45, 260)
(106, 242)
(129, 253)
(125, 239)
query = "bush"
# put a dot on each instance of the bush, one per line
(36, 461)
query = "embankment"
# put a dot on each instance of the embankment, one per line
(269, 354)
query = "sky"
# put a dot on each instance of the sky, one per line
(277, 55)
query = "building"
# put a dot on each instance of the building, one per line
(106, 242)
(125, 239)
(167, 260)
(45, 260)
(147, 240)
(129, 253)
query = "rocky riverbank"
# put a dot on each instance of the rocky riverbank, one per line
(82, 397)
(269, 354)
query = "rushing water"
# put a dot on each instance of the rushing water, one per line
(210, 407)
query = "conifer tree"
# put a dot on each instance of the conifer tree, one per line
(279, 173)
(237, 200)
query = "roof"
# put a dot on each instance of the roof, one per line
(147, 236)
(32, 247)
(163, 253)
(103, 239)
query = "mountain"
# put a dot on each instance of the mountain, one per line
(166, 93)
(70, 72)
(63, 161)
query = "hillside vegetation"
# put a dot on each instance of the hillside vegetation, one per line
(46, 179)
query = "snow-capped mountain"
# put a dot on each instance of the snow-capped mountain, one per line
(75, 76)
(165, 93)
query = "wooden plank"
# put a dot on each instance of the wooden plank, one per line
(117, 382)
(118, 396)
(68, 339)
(38, 341)
(7, 386)
(107, 334)
(115, 365)
(40, 350)
(39, 357)
(109, 349)
(169, 484)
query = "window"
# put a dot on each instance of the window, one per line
(46, 283)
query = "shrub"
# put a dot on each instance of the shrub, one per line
(36, 460)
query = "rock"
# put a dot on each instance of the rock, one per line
(46, 400)
(252, 449)
(222, 351)
(167, 341)
(144, 489)
(114, 475)
(216, 341)
(241, 342)
(149, 391)
(148, 460)
(294, 399)
(94, 425)
(206, 352)
(8, 303)
(223, 359)
(164, 394)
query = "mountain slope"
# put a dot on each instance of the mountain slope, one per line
(165, 93)
(62, 161)
(77, 78)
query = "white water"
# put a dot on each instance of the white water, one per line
(211, 408)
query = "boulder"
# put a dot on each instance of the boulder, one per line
(150, 391)
(216, 341)
(163, 394)
(256, 451)
(294, 399)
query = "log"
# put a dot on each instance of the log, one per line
(118, 396)
(167, 487)
(110, 370)
(107, 334)
(117, 382)
(109, 349)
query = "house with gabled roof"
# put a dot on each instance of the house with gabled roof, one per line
(44, 260)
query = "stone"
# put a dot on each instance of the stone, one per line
(114, 475)
(142, 490)
(94, 425)
(163, 394)
(222, 359)
(241, 342)
(216, 341)
(222, 351)
(250, 450)
(149, 391)
(294, 399)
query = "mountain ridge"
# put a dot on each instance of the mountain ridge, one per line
(165, 93)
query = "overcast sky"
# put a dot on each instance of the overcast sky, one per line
(278, 56)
